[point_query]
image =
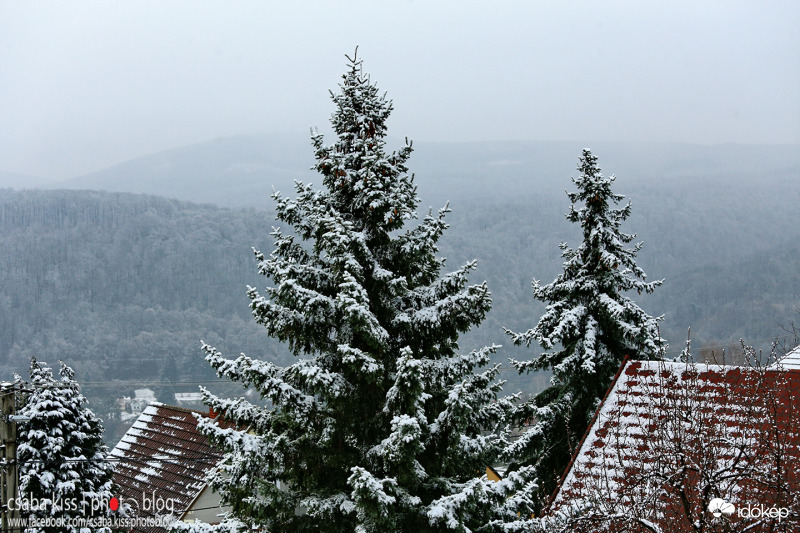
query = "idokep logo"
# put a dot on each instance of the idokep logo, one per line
(719, 507)
(759, 511)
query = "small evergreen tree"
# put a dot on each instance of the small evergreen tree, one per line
(61, 453)
(380, 422)
(588, 328)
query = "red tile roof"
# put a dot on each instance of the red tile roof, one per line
(162, 456)
(678, 435)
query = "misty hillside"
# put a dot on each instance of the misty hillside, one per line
(124, 286)
(241, 171)
(703, 211)
(101, 278)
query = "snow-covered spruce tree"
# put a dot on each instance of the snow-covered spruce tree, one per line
(61, 452)
(380, 424)
(588, 327)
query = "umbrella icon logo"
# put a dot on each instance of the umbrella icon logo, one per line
(719, 507)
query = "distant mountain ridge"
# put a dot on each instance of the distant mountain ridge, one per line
(14, 180)
(241, 171)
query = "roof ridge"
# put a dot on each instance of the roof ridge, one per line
(161, 405)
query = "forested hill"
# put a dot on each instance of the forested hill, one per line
(124, 286)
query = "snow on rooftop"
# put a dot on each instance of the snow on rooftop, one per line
(640, 409)
(164, 452)
(188, 396)
(152, 409)
(120, 448)
(790, 361)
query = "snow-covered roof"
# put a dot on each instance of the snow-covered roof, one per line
(163, 456)
(789, 361)
(188, 397)
(651, 400)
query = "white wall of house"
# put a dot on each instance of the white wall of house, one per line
(205, 507)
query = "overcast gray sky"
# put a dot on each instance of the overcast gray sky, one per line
(87, 84)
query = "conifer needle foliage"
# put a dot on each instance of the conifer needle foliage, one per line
(381, 423)
(63, 473)
(589, 326)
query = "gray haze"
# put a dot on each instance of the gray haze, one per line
(85, 85)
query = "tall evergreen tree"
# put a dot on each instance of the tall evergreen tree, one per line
(61, 453)
(588, 327)
(380, 420)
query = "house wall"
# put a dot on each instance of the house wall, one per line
(205, 508)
